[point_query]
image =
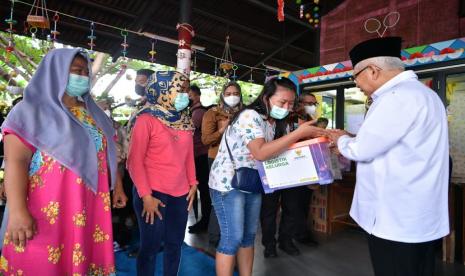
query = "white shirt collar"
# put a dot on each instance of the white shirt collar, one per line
(409, 74)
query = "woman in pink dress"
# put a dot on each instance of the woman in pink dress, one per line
(60, 157)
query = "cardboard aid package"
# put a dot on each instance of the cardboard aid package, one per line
(304, 163)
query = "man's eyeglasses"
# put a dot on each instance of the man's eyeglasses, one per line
(354, 76)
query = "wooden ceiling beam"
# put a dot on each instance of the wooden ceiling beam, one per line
(224, 20)
(110, 9)
(271, 9)
(149, 8)
(233, 47)
(280, 48)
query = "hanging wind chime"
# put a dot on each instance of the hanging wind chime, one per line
(55, 32)
(38, 15)
(52, 37)
(91, 38)
(125, 45)
(194, 62)
(11, 22)
(234, 69)
(216, 67)
(227, 63)
(251, 75)
(152, 52)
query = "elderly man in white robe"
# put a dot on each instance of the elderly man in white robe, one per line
(401, 150)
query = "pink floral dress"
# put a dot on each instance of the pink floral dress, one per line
(74, 223)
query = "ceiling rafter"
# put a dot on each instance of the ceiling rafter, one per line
(148, 9)
(280, 48)
(233, 47)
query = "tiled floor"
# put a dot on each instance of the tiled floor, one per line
(345, 253)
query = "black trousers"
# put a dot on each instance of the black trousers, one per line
(391, 258)
(202, 171)
(121, 231)
(294, 204)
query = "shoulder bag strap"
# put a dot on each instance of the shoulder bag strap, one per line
(227, 146)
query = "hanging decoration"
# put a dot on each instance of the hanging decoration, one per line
(38, 15)
(25, 28)
(311, 11)
(280, 10)
(55, 32)
(373, 25)
(33, 31)
(185, 35)
(152, 52)
(226, 59)
(11, 22)
(125, 45)
(251, 75)
(216, 67)
(91, 38)
(194, 62)
(234, 69)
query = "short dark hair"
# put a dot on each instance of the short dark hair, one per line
(305, 94)
(145, 72)
(322, 120)
(194, 88)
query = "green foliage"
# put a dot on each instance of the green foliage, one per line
(327, 110)
(34, 50)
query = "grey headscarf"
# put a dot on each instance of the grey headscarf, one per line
(43, 120)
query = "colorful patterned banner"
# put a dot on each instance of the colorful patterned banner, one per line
(427, 54)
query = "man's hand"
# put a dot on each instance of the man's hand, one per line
(335, 134)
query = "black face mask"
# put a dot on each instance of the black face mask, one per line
(140, 90)
(191, 102)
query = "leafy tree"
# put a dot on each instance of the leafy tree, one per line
(17, 68)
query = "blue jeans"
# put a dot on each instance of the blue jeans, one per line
(238, 215)
(170, 231)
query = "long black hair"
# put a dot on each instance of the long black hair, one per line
(225, 106)
(262, 105)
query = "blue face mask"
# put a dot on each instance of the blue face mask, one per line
(181, 101)
(77, 85)
(278, 113)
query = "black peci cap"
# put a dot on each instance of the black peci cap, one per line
(377, 47)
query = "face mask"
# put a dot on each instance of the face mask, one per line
(108, 112)
(278, 113)
(191, 102)
(232, 101)
(140, 90)
(310, 110)
(181, 101)
(77, 85)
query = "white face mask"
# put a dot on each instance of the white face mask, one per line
(310, 110)
(108, 112)
(232, 101)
